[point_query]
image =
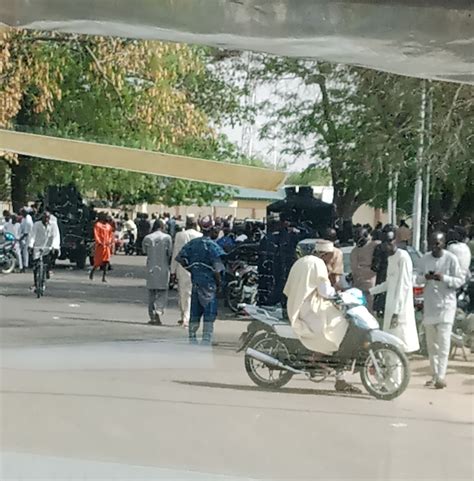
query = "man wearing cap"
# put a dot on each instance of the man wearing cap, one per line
(180, 273)
(399, 313)
(202, 257)
(318, 323)
(440, 271)
(335, 263)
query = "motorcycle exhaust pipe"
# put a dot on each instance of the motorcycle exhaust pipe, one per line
(271, 361)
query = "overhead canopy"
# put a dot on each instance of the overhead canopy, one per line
(100, 155)
(421, 38)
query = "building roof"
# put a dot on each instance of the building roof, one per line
(257, 194)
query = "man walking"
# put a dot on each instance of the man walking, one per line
(440, 271)
(157, 246)
(202, 257)
(399, 314)
(103, 238)
(182, 275)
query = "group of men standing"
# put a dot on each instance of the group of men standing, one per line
(195, 261)
(383, 266)
(321, 327)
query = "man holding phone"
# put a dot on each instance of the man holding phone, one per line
(440, 271)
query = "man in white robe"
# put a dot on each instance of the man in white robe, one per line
(399, 315)
(440, 271)
(182, 275)
(318, 323)
(26, 228)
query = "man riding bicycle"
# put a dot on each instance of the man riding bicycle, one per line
(41, 241)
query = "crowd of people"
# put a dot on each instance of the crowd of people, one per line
(381, 265)
(32, 239)
(192, 254)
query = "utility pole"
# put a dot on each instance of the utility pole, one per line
(418, 194)
(394, 198)
(390, 198)
(427, 182)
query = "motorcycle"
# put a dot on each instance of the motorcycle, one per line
(129, 246)
(274, 353)
(7, 254)
(243, 288)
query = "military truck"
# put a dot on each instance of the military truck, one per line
(75, 222)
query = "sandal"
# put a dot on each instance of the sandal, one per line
(344, 386)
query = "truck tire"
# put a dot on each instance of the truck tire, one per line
(81, 257)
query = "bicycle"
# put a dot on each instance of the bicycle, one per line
(40, 275)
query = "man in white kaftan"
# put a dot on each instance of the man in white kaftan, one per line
(441, 272)
(399, 317)
(182, 275)
(318, 323)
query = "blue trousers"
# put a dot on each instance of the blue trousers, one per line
(208, 313)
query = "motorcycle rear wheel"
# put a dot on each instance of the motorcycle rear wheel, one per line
(233, 296)
(9, 265)
(395, 372)
(256, 370)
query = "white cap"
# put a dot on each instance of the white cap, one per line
(322, 245)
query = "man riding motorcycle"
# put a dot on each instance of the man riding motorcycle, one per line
(318, 323)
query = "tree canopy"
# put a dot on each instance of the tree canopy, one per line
(364, 126)
(143, 94)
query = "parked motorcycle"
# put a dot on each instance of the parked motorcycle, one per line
(7, 253)
(242, 289)
(129, 245)
(274, 353)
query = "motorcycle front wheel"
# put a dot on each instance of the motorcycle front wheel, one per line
(9, 265)
(385, 373)
(261, 374)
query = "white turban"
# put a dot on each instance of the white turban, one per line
(322, 246)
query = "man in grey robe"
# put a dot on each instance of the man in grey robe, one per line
(157, 246)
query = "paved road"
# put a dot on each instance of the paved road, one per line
(89, 391)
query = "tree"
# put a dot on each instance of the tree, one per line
(125, 92)
(364, 126)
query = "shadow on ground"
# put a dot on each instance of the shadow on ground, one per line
(283, 390)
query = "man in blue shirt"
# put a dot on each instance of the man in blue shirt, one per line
(227, 241)
(202, 257)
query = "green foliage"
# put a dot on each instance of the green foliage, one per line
(364, 126)
(148, 95)
(312, 175)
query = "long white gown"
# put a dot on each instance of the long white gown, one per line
(319, 325)
(399, 300)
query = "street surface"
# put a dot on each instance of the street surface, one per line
(90, 391)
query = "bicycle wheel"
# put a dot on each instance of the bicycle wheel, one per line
(40, 280)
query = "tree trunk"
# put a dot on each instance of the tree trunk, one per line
(346, 205)
(19, 182)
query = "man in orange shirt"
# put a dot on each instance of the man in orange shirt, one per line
(103, 237)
